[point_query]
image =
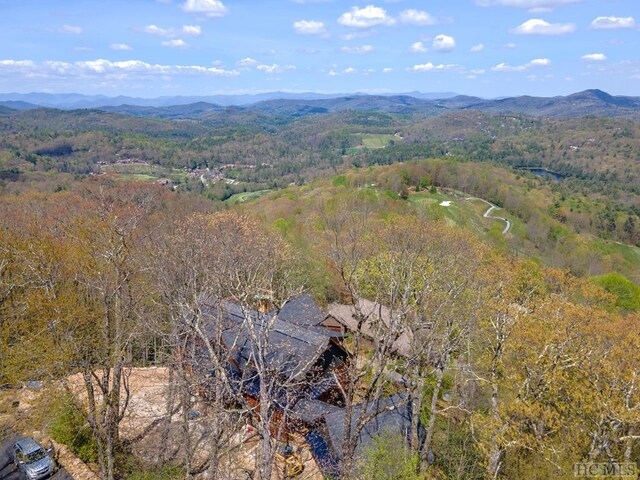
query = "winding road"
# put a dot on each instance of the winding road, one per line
(487, 214)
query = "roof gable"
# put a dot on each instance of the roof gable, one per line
(290, 349)
(301, 310)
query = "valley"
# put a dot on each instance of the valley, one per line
(316, 259)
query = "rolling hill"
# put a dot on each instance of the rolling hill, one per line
(289, 105)
(588, 102)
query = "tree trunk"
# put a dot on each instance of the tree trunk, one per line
(109, 453)
(348, 446)
(416, 410)
(629, 448)
(426, 445)
(265, 460)
(93, 417)
(495, 455)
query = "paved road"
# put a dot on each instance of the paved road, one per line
(508, 223)
(8, 471)
(487, 214)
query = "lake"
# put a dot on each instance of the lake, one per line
(543, 172)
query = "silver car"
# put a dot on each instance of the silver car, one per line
(34, 460)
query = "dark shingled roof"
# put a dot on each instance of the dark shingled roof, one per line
(394, 417)
(311, 411)
(302, 310)
(291, 349)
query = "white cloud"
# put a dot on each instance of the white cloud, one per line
(275, 68)
(387, 70)
(610, 23)
(594, 57)
(194, 30)
(531, 5)
(105, 69)
(430, 67)
(191, 30)
(510, 45)
(155, 30)
(71, 29)
(358, 50)
(477, 48)
(120, 46)
(536, 62)
(418, 47)
(210, 8)
(17, 63)
(348, 71)
(309, 27)
(247, 62)
(175, 43)
(537, 26)
(539, 62)
(443, 43)
(366, 17)
(417, 17)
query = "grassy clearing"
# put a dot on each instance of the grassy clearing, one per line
(630, 253)
(460, 212)
(465, 213)
(246, 197)
(144, 173)
(375, 141)
(137, 177)
(627, 257)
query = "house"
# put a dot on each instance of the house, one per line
(304, 349)
(374, 316)
(309, 360)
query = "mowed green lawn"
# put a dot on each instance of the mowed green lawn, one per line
(144, 173)
(460, 212)
(374, 141)
(245, 197)
(629, 253)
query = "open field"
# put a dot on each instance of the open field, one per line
(457, 210)
(246, 197)
(376, 140)
(144, 173)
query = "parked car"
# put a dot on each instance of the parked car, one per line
(33, 459)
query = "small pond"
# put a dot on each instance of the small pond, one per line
(543, 172)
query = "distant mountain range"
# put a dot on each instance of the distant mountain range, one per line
(71, 101)
(588, 102)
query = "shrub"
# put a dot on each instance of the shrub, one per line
(70, 428)
(626, 292)
(388, 459)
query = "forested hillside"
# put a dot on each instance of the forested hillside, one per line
(517, 370)
(500, 250)
(220, 153)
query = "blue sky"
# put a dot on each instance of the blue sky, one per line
(151, 48)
